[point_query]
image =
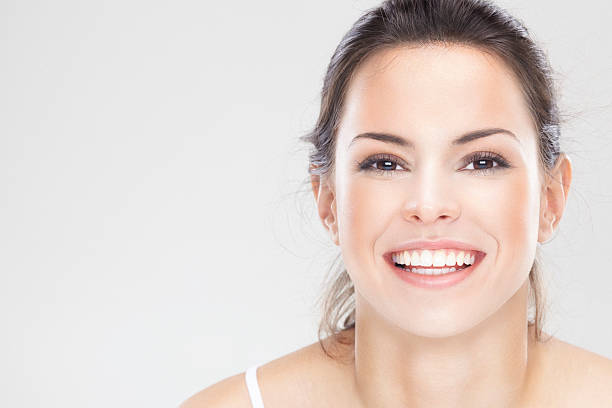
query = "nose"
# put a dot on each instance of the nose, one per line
(432, 199)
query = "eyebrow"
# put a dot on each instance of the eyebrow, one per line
(461, 140)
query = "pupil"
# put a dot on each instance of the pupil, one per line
(482, 163)
(387, 164)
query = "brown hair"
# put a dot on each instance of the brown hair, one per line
(394, 23)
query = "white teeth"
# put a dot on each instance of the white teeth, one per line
(415, 259)
(467, 259)
(470, 259)
(441, 271)
(450, 258)
(436, 258)
(426, 258)
(429, 271)
(439, 257)
(459, 259)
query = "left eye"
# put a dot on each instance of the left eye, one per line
(480, 164)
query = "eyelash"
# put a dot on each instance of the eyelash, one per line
(502, 163)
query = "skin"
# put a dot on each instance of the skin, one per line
(466, 345)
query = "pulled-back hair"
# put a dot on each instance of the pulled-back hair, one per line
(476, 23)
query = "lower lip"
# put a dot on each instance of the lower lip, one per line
(435, 281)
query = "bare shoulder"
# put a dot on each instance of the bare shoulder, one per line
(304, 378)
(584, 378)
(230, 392)
(301, 378)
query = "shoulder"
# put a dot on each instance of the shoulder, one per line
(582, 377)
(230, 392)
(301, 378)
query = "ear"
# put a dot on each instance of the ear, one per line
(325, 199)
(554, 197)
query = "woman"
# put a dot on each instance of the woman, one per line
(436, 168)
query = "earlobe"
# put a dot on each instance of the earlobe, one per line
(554, 197)
(333, 222)
(544, 224)
(326, 205)
(547, 227)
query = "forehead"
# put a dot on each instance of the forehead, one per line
(433, 91)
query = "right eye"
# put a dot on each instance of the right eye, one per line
(381, 163)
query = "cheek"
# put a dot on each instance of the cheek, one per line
(509, 212)
(365, 209)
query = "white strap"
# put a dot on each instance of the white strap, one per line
(253, 386)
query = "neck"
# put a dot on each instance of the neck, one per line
(486, 366)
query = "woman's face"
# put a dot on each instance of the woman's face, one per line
(430, 188)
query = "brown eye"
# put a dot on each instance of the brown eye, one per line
(383, 164)
(483, 164)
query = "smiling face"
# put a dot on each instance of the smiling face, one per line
(428, 186)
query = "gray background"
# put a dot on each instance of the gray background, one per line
(151, 238)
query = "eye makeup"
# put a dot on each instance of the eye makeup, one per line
(390, 164)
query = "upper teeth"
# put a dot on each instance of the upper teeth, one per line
(438, 257)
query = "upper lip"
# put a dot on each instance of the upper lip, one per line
(437, 244)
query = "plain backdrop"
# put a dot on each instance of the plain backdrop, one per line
(155, 234)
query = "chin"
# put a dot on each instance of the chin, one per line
(440, 329)
(441, 324)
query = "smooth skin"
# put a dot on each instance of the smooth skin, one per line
(463, 346)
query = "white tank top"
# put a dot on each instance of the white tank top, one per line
(253, 387)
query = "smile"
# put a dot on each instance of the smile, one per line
(433, 262)
(434, 268)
